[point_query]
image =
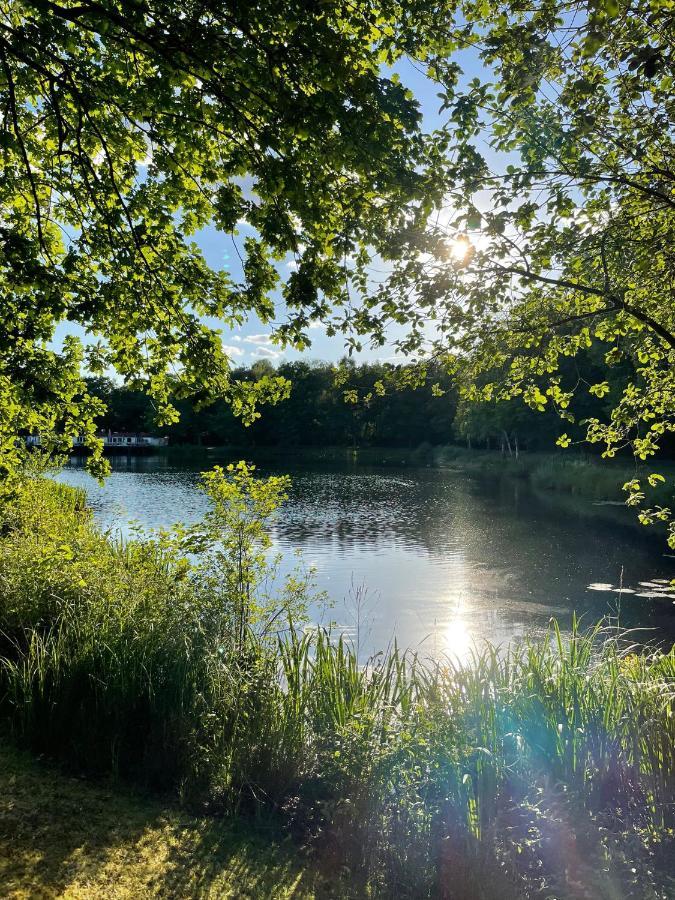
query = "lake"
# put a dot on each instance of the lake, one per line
(437, 558)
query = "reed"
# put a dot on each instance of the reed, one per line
(551, 761)
(586, 477)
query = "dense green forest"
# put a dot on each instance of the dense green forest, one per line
(315, 413)
(341, 406)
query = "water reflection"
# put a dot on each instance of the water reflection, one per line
(448, 560)
(457, 638)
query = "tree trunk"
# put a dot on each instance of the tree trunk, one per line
(508, 442)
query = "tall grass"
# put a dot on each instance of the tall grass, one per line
(514, 773)
(564, 472)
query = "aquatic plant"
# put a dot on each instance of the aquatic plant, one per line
(528, 769)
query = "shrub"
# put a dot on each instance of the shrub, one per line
(118, 655)
(515, 773)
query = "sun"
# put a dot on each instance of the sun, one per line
(459, 249)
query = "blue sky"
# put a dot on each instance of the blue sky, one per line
(252, 341)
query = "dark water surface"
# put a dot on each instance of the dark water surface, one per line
(446, 558)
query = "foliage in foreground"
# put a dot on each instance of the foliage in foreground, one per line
(129, 128)
(538, 770)
(557, 236)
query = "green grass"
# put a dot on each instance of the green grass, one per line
(72, 838)
(587, 477)
(544, 770)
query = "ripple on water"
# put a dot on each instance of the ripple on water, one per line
(442, 554)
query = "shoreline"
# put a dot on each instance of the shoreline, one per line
(582, 476)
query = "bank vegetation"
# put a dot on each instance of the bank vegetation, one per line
(543, 769)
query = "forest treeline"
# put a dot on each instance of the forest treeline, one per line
(317, 413)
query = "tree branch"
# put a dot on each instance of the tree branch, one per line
(22, 147)
(618, 302)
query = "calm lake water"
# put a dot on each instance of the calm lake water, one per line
(436, 558)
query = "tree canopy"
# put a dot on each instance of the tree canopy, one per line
(127, 126)
(558, 232)
(314, 415)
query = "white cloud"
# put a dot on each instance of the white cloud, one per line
(265, 353)
(264, 339)
(231, 350)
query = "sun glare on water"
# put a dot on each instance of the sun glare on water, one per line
(457, 639)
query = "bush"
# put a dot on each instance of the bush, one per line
(118, 655)
(513, 774)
